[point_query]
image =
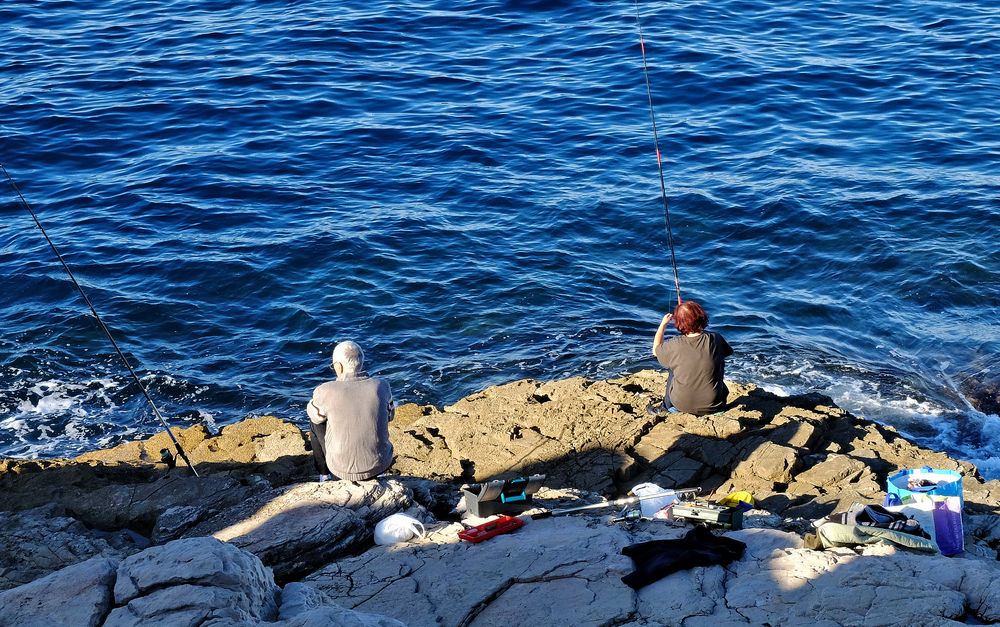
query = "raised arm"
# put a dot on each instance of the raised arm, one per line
(658, 338)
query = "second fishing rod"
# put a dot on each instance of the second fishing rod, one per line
(135, 377)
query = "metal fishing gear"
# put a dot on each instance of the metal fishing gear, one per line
(86, 299)
(631, 500)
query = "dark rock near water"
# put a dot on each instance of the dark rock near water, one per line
(984, 395)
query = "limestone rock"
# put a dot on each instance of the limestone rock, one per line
(139, 505)
(114, 497)
(779, 583)
(799, 456)
(148, 451)
(299, 528)
(174, 521)
(298, 598)
(190, 581)
(655, 444)
(37, 542)
(545, 572)
(301, 604)
(982, 497)
(836, 469)
(592, 435)
(28, 484)
(720, 425)
(796, 429)
(76, 595)
(421, 450)
(676, 470)
(558, 570)
(274, 446)
(984, 527)
(183, 604)
(336, 616)
(253, 441)
(556, 427)
(767, 461)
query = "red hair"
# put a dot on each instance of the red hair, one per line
(689, 317)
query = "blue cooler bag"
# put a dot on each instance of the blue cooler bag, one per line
(937, 494)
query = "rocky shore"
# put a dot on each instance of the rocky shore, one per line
(119, 537)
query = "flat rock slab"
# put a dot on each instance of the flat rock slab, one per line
(299, 528)
(568, 570)
(781, 584)
(302, 604)
(76, 595)
(556, 571)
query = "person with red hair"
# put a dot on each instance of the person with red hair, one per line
(696, 360)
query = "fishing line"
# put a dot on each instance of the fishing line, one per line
(79, 288)
(659, 164)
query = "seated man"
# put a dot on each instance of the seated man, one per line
(349, 420)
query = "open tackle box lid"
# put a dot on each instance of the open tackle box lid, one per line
(501, 496)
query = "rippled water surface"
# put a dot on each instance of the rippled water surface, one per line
(470, 191)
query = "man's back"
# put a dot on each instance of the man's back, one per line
(356, 410)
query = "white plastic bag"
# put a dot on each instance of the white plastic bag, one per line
(397, 528)
(651, 506)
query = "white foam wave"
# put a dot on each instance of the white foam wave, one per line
(208, 419)
(56, 416)
(53, 396)
(777, 390)
(932, 422)
(15, 424)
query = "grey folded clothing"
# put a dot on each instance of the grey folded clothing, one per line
(831, 534)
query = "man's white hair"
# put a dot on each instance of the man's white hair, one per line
(349, 355)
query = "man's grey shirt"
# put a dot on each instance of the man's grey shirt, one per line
(357, 410)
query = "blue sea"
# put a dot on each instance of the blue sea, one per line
(470, 191)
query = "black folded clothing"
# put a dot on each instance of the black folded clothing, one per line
(656, 559)
(878, 516)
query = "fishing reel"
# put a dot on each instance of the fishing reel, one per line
(166, 457)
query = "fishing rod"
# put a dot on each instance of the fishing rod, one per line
(625, 501)
(659, 163)
(86, 299)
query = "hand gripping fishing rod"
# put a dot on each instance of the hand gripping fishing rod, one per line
(79, 288)
(659, 163)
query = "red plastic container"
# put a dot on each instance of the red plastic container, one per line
(490, 528)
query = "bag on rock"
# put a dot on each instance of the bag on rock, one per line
(935, 498)
(397, 528)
